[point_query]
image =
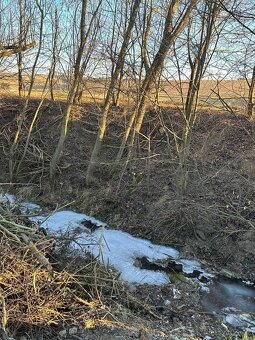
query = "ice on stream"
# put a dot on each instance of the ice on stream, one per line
(114, 247)
(241, 321)
(120, 250)
(234, 299)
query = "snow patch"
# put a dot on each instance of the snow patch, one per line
(7, 198)
(61, 221)
(115, 248)
(27, 207)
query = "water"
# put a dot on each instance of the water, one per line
(234, 299)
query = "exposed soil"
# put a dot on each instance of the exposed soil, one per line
(213, 222)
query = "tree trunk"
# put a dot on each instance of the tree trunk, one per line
(250, 105)
(58, 151)
(108, 99)
(169, 36)
(20, 71)
(54, 57)
(198, 67)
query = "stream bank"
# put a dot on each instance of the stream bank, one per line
(147, 267)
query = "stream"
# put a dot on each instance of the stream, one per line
(141, 262)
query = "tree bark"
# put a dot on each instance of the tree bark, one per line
(169, 37)
(54, 56)
(20, 71)
(57, 154)
(250, 105)
(109, 96)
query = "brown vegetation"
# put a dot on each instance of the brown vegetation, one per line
(138, 112)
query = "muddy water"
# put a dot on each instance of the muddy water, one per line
(230, 299)
(225, 292)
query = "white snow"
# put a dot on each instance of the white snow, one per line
(27, 207)
(120, 250)
(114, 247)
(241, 321)
(61, 221)
(7, 198)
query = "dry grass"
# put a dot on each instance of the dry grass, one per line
(233, 91)
(35, 296)
(68, 291)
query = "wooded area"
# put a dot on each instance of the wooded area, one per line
(139, 111)
(126, 45)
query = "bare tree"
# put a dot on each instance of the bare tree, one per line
(109, 96)
(22, 116)
(197, 55)
(21, 33)
(79, 68)
(71, 95)
(251, 85)
(55, 34)
(244, 16)
(173, 28)
(15, 38)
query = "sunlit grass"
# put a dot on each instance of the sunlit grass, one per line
(233, 92)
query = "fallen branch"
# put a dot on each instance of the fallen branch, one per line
(22, 235)
(15, 49)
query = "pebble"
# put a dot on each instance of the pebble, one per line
(62, 333)
(73, 330)
(167, 303)
(160, 307)
(176, 293)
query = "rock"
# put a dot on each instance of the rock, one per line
(174, 268)
(176, 293)
(62, 333)
(132, 288)
(167, 303)
(142, 333)
(160, 307)
(73, 330)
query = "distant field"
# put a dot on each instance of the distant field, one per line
(234, 92)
